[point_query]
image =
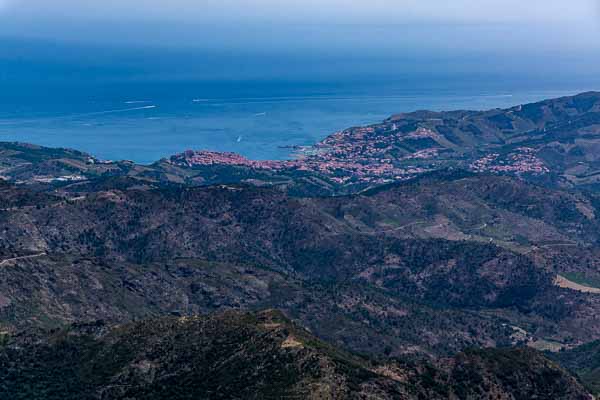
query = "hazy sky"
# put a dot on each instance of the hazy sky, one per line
(559, 36)
(306, 10)
(566, 23)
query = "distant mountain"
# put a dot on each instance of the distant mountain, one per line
(554, 142)
(253, 356)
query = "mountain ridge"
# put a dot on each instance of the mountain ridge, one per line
(481, 253)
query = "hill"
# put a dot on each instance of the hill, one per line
(253, 356)
(584, 362)
(431, 266)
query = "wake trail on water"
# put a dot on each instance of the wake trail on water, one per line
(114, 111)
(90, 114)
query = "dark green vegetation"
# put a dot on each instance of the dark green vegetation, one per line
(416, 274)
(253, 356)
(584, 361)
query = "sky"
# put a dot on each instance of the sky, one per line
(569, 24)
(279, 37)
(307, 10)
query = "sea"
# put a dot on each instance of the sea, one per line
(261, 119)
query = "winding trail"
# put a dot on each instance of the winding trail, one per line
(10, 260)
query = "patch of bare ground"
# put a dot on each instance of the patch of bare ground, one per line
(563, 282)
(291, 342)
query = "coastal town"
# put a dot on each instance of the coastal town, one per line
(379, 154)
(523, 161)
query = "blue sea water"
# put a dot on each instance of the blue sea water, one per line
(146, 121)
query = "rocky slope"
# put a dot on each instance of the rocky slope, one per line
(253, 356)
(431, 266)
